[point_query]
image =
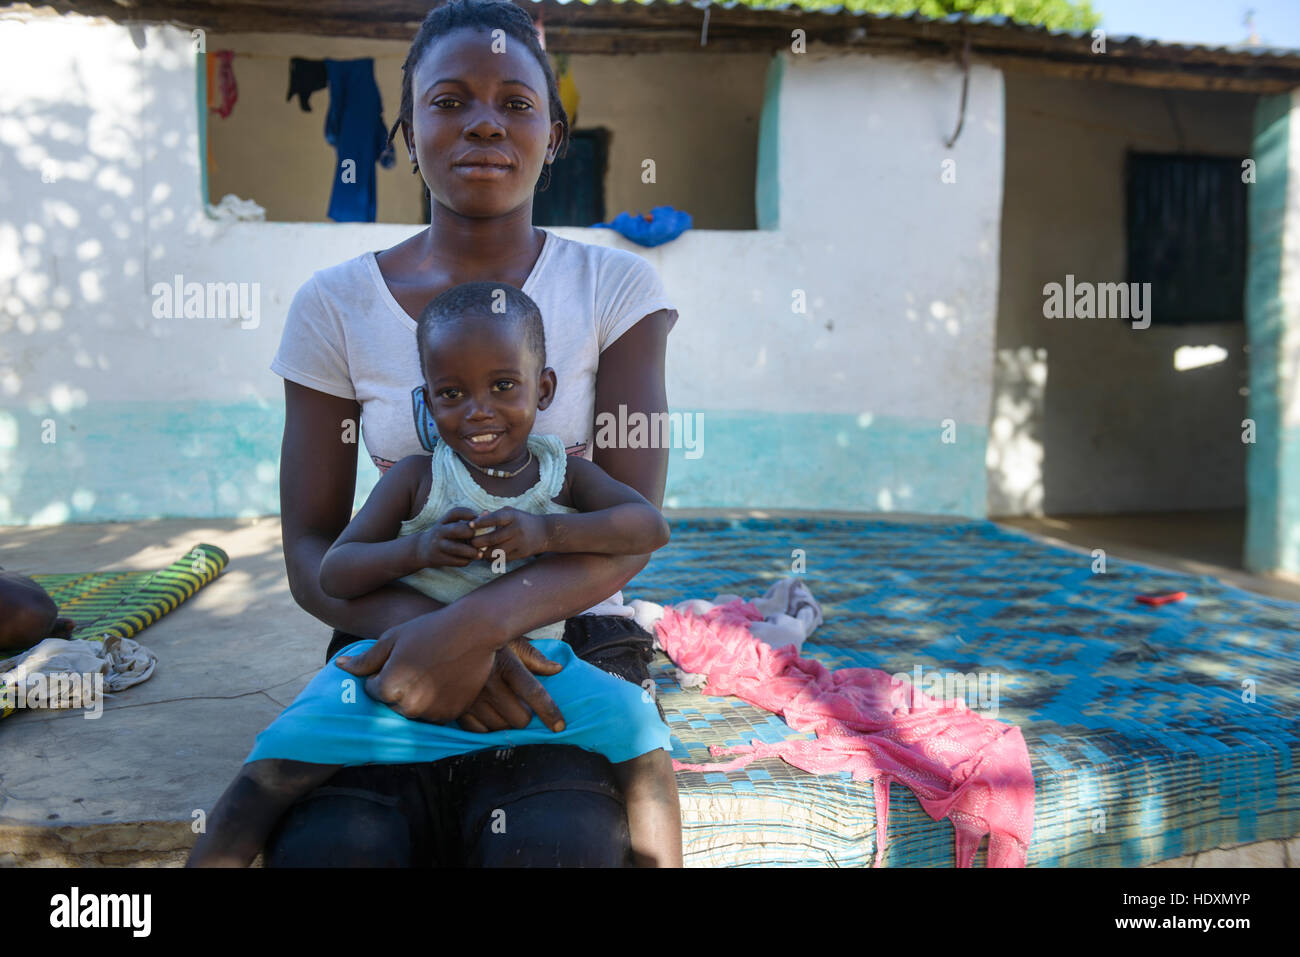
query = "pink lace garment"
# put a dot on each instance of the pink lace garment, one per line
(961, 765)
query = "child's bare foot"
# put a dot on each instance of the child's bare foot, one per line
(244, 816)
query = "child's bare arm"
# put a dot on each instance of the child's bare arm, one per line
(369, 554)
(612, 519)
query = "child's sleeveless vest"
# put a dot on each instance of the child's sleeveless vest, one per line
(454, 487)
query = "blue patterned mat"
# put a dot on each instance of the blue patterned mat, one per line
(1154, 732)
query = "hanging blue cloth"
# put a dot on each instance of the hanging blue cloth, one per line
(662, 224)
(354, 126)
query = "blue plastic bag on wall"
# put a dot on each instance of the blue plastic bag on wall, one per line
(661, 224)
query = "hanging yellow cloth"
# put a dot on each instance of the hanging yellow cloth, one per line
(563, 78)
(568, 89)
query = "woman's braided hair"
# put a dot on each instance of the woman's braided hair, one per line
(485, 15)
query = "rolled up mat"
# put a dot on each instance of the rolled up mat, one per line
(123, 603)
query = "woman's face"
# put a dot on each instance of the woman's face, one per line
(471, 105)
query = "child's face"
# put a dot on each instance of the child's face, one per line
(482, 380)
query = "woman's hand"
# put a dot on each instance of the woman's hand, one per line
(518, 534)
(437, 668)
(426, 669)
(445, 543)
(512, 694)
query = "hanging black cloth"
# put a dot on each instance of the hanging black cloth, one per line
(305, 78)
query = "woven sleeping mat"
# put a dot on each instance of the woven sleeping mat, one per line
(123, 603)
(1153, 731)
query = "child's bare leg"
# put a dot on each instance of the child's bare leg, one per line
(654, 816)
(245, 815)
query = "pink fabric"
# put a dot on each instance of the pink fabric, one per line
(961, 765)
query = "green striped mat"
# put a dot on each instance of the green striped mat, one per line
(124, 603)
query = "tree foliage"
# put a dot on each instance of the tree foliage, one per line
(1053, 14)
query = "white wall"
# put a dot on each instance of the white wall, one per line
(903, 263)
(178, 416)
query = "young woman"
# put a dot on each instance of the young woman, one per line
(481, 118)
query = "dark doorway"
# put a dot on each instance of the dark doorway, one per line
(576, 194)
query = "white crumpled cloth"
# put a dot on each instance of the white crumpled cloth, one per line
(232, 208)
(121, 661)
(790, 615)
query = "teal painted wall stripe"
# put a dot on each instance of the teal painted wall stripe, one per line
(830, 461)
(1264, 547)
(767, 185)
(126, 461)
(201, 88)
(123, 461)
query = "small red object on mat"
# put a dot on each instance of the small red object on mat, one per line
(1162, 599)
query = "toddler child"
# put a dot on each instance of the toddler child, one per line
(491, 498)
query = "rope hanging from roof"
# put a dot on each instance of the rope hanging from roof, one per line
(965, 88)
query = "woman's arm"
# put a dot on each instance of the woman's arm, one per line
(552, 588)
(631, 373)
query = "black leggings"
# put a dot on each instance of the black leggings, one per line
(543, 805)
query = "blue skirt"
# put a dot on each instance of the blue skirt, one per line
(334, 720)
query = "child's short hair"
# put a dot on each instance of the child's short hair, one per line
(480, 301)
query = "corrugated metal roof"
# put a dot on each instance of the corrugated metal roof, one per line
(620, 26)
(1129, 41)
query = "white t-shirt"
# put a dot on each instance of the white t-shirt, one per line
(346, 335)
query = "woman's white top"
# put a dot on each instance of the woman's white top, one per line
(346, 335)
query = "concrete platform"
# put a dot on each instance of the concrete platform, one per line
(1198, 543)
(125, 789)
(122, 789)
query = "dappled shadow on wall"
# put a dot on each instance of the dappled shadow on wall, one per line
(85, 218)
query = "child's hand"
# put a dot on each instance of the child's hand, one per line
(518, 534)
(444, 543)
